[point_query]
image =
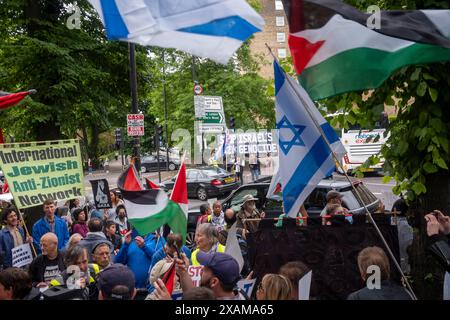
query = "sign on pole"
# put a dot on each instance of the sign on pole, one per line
(37, 171)
(135, 125)
(209, 110)
(102, 197)
(21, 255)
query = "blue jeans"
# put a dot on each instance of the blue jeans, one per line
(254, 174)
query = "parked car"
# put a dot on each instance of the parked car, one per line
(150, 163)
(315, 202)
(206, 182)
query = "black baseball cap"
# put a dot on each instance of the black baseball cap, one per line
(116, 275)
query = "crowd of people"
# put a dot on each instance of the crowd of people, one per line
(98, 255)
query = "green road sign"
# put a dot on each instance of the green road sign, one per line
(213, 117)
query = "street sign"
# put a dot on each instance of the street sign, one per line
(198, 89)
(135, 125)
(209, 112)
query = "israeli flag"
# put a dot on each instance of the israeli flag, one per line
(221, 150)
(212, 29)
(305, 157)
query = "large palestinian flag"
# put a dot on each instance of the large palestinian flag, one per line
(151, 208)
(335, 52)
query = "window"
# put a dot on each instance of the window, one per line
(278, 5)
(281, 37)
(282, 53)
(279, 21)
(192, 175)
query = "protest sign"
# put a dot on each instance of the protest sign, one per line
(102, 197)
(21, 255)
(195, 272)
(304, 286)
(37, 171)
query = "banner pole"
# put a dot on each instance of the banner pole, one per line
(26, 232)
(352, 185)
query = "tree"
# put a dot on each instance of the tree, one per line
(81, 79)
(417, 152)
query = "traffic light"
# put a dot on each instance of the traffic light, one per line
(160, 131)
(232, 124)
(118, 143)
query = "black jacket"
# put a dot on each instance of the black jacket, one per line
(388, 291)
(440, 248)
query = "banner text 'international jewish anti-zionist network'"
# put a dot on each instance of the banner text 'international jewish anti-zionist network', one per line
(39, 171)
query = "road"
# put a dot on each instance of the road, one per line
(373, 182)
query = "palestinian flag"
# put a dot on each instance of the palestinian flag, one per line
(150, 184)
(11, 99)
(150, 209)
(334, 51)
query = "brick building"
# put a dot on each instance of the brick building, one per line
(275, 34)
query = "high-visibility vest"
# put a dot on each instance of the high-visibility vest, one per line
(220, 248)
(94, 269)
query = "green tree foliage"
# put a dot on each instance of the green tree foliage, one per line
(417, 152)
(81, 79)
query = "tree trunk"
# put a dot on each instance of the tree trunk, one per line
(427, 274)
(93, 147)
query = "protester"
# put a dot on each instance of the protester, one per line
(274, 287)
(106, 165)
(116, 201)
(253, 163)
(205, 214)
(74, 204)
(94, 237)
(294, 271)
(220, 274)
(73, 240)
(217, 218)
(16, 284)
(333, 210)
(333, 197)
(11, 236)
(121, 220)
(101, 255)
(230, 218)
(76, 261)
(112, 236)
(438, 231)
(116, 283)
(239, 168)
(49, 264)
(199, 293)
(174, 242)
(79, 226)
(158, 272)
(300, 222)
(249, 211)
(206, 238)
(50, 223)
(137, 255)
(388, 290)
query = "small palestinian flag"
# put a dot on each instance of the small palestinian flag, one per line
(150, 209)
(334, 51)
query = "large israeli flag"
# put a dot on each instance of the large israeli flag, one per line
(212, 29)
(305, 157)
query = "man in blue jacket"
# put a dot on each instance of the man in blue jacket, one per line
(11, 236)
(50, 223)
(137, 255)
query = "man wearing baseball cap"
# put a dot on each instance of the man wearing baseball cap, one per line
(220, 274)
(333, 197)
(116, 282)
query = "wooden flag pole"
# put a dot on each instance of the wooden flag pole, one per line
(26, 232)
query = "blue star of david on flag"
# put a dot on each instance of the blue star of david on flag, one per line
(296, 140)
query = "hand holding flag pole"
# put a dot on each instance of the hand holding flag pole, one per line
(319, 128)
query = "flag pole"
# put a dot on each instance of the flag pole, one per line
(351, 183)
(26, 232)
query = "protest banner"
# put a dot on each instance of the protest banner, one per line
(195, 272)
(21, 255)
(102, 197)
(37, 171)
